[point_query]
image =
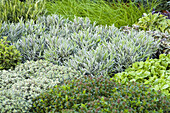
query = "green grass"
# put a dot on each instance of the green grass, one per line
(14, 10)
(101, 12)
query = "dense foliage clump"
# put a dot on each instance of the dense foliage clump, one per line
(63, 59)
(154, 22)
(100, 94)
(154, 72)
(18, 87)
(78, 44)
(9, 55)
(163, 38)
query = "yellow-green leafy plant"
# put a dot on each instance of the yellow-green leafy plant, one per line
(154, 22)
(9, 55)
(14, 10)
(154, 72)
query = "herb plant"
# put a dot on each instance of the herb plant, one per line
(99, 94)
(9, 55)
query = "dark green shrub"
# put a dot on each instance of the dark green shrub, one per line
(100, 94)
(9, 55)
(154, 72)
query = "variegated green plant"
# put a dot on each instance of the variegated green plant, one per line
(28, 80)
(14, 10)
(9, 55)
(154, 22)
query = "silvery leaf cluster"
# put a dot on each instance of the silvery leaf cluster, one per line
(18, 87)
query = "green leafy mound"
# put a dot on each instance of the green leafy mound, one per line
(9, 55)
(100, 94)
(28, 80)
(154, 22)
(154, 72)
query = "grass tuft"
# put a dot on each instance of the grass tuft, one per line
(100, 11)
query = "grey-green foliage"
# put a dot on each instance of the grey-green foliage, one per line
(114, 53)
(75, 36)
(31, 47)
(15, 31)
(42, 38)
(19, 86)
(164, 38)
(59, 49)
(29, 37)
(92, 62)
(54, 25)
